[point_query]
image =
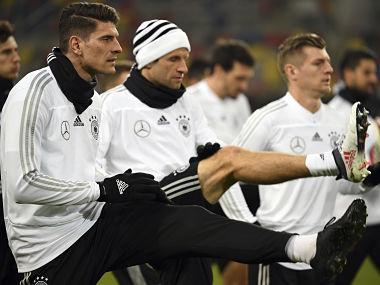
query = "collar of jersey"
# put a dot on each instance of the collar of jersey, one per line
(302, 111)
(77, 90)
(158, 97)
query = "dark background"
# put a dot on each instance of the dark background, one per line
(263, 24)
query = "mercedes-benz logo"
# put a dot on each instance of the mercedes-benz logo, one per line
(142, 128)
(297, 144)
(65, 130)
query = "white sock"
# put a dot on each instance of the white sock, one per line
(322, 164)
(302, 248)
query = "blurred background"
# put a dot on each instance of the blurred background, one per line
(263, 24)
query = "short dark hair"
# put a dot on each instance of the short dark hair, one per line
(352, 57)
(293, 45)
(6, 30)
(79, 19)
(199, 67)
(226, 52)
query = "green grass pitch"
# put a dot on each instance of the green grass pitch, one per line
(367, 275)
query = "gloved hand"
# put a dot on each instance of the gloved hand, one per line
(131, 187)
(205, 151)
(374, 178)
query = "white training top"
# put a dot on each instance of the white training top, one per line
(305, 205)
(48, 168)
(1, 191)
(226, 116)
(157, 141)
(371, 198)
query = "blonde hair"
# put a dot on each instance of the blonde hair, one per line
(293, 46)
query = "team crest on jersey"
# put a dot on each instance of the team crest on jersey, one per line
(184, 125)
(334, 139)
(65, 130)
(297, 144)
(94, 127)
(40, 280)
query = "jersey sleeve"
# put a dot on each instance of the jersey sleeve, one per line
(232, 202)
(203, 133)
(24, 123)
(107, 125)
(349, 188)
(255, 133)
(245, 108)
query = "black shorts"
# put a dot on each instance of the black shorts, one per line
(125, 234)
(183, 188)
(134, 233)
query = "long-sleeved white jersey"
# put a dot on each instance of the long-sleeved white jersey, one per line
(371, 198)
(48, 157)
(157, 141)
(226, 116)
(305, 205)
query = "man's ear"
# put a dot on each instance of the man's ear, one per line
(75, 44)
(290, 71)
(149, 65)
(347, 75)
(218, 70)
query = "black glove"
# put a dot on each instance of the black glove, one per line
(131, 187)
(205, 151)
(374, 178)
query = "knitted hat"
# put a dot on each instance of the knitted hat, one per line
(156, 38)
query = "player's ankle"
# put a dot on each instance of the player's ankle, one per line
(301, 248)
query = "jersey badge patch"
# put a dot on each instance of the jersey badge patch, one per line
(142, 128)
(297, 144)
(184, 125)
(94, 127)
(334, 139)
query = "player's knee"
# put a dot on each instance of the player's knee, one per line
(230, 154)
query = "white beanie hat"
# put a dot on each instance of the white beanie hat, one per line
(155, 38)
